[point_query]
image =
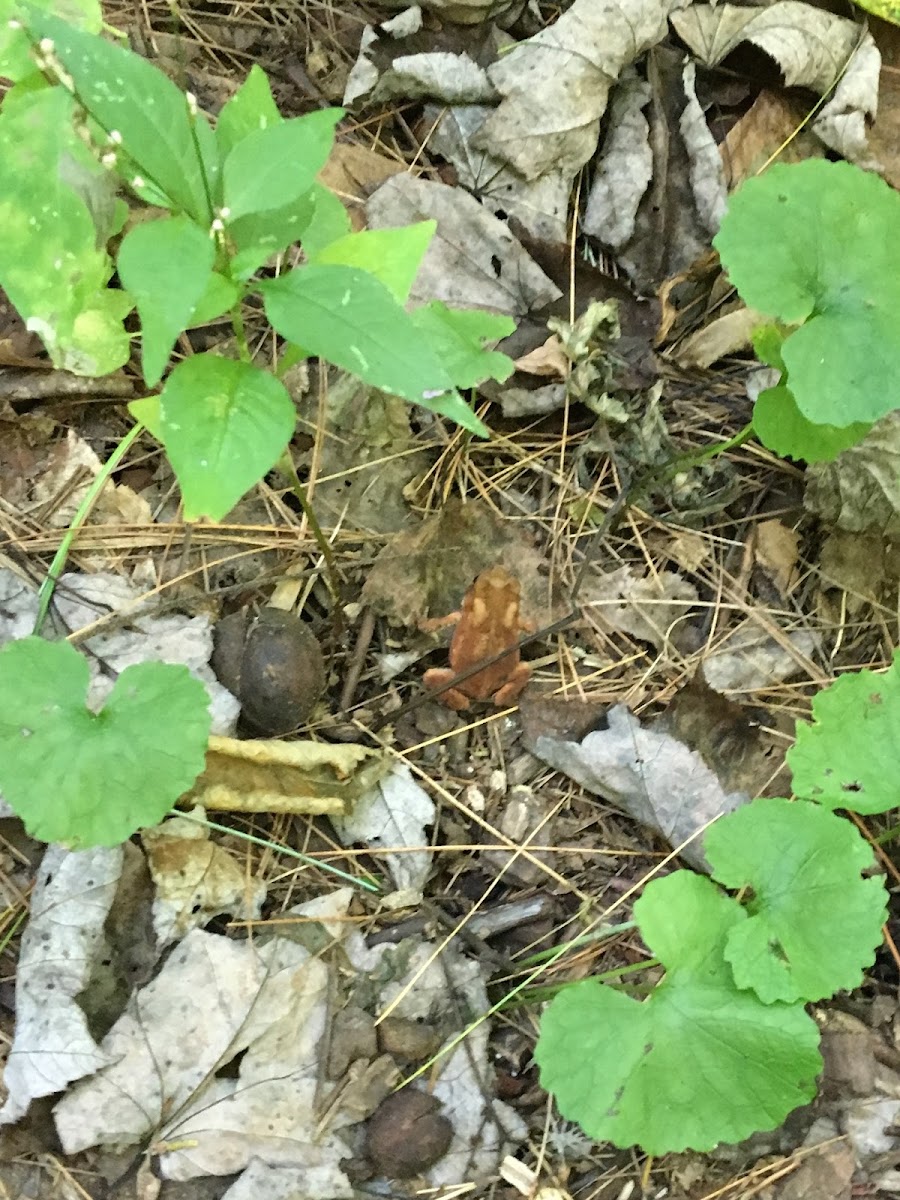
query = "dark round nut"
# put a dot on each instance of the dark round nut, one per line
(273, 664)
(407, 1134)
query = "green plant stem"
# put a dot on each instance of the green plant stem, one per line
(45, 595)
(240, 332)
(286, 464)
(368, 884)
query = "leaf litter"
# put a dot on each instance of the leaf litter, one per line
(237, 1028)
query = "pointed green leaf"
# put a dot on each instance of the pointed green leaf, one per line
(166, 266)
(259, 236)
(330, 221)
(277, 165)
(391, 255)
(50, 265)
(93, 779)
(143, 111)
(251, 108)
(220, 297)
(458, 336)
(224, 425)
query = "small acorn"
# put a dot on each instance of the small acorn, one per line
(407, 1134)
(273, 664)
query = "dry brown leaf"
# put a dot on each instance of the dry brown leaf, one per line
(196, 879)
(548, 359)
(426, 573)
(285, 777)
(772, 126)
(556, 84)
(353, 172)
(813, 48)
(776, 549)
(725, 335)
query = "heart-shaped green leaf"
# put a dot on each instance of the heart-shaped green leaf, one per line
(92, 779)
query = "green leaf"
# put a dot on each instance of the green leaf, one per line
(767, 342)
(50, 265)
(697, 1063)
(780, 425)
(847, 757)
(257, 237)
(220, 297)
(134, 100)
(810, 887)
(830, 259)
(251, 108)
(224, 425)
(277, 165)
(93, 779)
(16, 61)
(166, 266)
(391, 255)
(458, 336)
(330, 221)
(350, 319)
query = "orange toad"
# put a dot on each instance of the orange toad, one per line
(490, 621)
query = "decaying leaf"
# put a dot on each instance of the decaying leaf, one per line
(285, 777)
(367, 457)
(773, 126)
(473, 260)
(647, 606)
(860, 490)
(196, 879)
(60, 488)
(776, 549)
(556, 84)
(60, 949)
(353, 172)
(652, 777)
(216, 1000)
(865, 567)
(393, 815)
(751, 659)
(425, 573)
(539, 205)
(813, 48)
(660, 190)
(445, 991)
(727, 334)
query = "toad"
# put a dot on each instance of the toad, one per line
(490, 621)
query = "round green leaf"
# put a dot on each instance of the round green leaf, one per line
(224, 425)
(780, 425)
(813, 923)
(847, 758)
(816, 242)
(697, 1063)
(92, 779)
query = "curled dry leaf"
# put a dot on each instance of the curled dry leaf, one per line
(555, 92)
(813, 48)
(860, 491)
(650, 607)
(285, 777)
(652, 777)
